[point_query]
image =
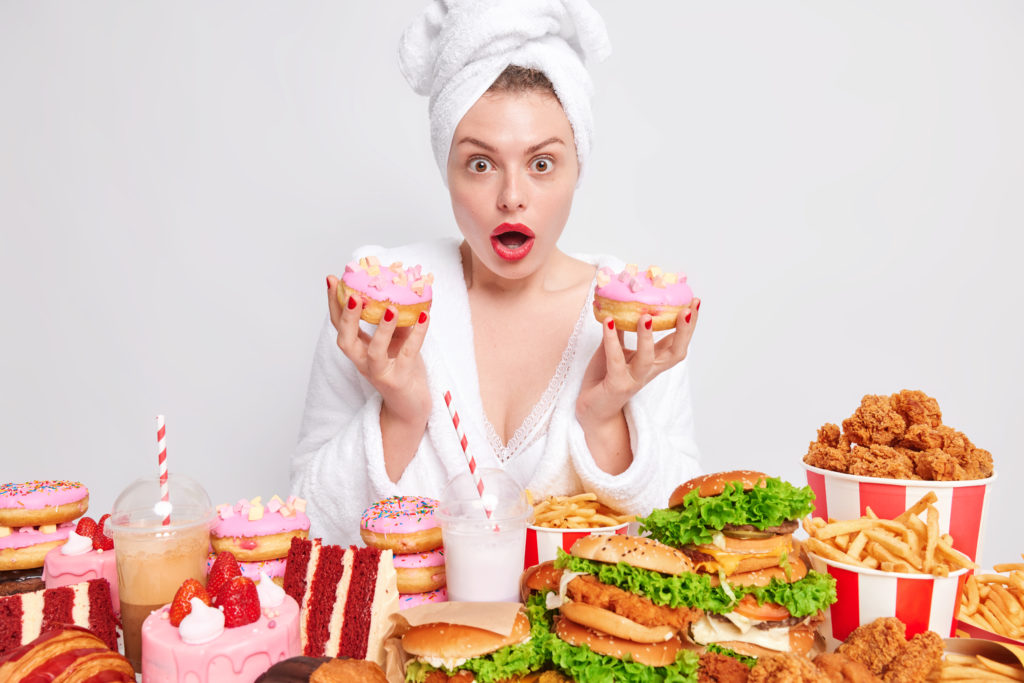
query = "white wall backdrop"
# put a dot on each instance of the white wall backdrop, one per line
(842, 181)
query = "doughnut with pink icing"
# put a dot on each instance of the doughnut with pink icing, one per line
(414, 599)
(420, 572)
(377, 286)
(35, 503)
(26, 547)
(256, 532)
(401, 524)
(631, 293)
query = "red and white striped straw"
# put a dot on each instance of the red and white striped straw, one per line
(161, 455)
(465, 449)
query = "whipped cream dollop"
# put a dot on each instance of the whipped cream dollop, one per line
(202, 624)
(270, 594)
(76, 545)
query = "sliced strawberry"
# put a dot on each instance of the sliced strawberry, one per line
(225, 567)
(240, 602)
(100, 540)
(181, 605)
(86, 527)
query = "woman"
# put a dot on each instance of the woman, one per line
(545, 392)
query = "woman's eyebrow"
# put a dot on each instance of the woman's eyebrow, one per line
(529, 150)
(478, 143)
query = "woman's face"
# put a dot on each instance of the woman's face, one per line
(512, 171)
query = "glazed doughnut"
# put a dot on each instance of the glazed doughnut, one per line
(272, 568)
(413, 599)
(407, 289)
(401, 524)
(254, 532)
(26, 547)
(37, 503)
(627, 295)
(420, 572)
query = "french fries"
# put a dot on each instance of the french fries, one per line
(995, 602)
(581, 511)
(905, 544)
(956, 667)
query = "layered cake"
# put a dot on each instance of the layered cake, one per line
(25, 616)
(247, 629)
(347, 597)
(87, 554)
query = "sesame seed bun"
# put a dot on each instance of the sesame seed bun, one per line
(454, 641)
(645, 553)
(605, 621)
(713, 484)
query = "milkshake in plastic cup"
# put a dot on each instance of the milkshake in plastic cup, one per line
(484, 556)
(154, 559)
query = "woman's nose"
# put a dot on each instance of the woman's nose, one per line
(512, 195)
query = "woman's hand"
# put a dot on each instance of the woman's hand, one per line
(390, 360)
(616, 374)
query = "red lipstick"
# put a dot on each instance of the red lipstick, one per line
(512, 241)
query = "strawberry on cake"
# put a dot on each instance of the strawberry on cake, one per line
(87, 554)
(236, 635)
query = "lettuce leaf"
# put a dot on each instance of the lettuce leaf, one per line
(802, 598)
(509, 661)
(743, 659)
(697, 519)
(587, 666)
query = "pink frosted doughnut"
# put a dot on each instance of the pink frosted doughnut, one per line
(401, 524)
(378, 286)
(420, 572)
(413, 599)
(35, 503)
(26, 547)
(631, 293)
(260, 535)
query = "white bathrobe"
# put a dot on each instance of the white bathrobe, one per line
(339, 463)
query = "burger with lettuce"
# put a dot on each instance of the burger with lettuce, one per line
(737, 529)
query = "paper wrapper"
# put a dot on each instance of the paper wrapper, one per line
(962, 505)
(976, 632)
(921, 601)
(542, 543)
(1004, 653)
(498, 617)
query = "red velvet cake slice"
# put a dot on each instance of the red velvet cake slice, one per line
(25, 616)
(346, 596)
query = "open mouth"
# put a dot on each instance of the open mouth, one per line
(512, 242)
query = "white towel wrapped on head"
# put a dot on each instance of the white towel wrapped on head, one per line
(456, 49)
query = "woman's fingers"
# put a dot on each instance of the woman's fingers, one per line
(614, 358)
(686, 322)
(351, 339)
(414, 341)
(377, 350)
(333, 307)
(641, 362)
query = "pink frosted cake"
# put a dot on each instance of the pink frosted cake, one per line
(627, 295)
(256, 532)
(75, 561)
(204, 648)
(272, 568)
(376, 287)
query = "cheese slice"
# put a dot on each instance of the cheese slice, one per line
(729, 560)
(705, 631)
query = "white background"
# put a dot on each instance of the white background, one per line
(841, 180)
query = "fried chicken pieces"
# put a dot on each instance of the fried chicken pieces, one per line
(883, 648)
(898, 437)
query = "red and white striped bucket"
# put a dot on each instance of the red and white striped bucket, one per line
(921, 601)
(542, 543)
(962, 505)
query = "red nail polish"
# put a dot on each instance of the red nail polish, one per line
(328, 283)
(389, 315)
(648, 323)
(611, 324)
(351, 302)
(687, 317)
(698, 304)
(423, 317)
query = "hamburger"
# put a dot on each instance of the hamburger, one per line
(453, 652)
(610, 630)
(737, 530)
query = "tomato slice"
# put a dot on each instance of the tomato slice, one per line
(769, 611)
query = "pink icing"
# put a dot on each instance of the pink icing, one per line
(273, 568)
(407, 600)
(36, 495)
(235, 522)
(64, 570)
(238, 654)
(647, 287)
(400, 515)
(433, 558)
(25, 536)
(394, 283)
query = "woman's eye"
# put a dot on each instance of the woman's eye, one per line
(479, 165)
(542, 165)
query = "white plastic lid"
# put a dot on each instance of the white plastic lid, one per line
(139, 505)
(502, 494)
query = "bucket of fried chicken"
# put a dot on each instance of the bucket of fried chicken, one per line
(892, 451)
